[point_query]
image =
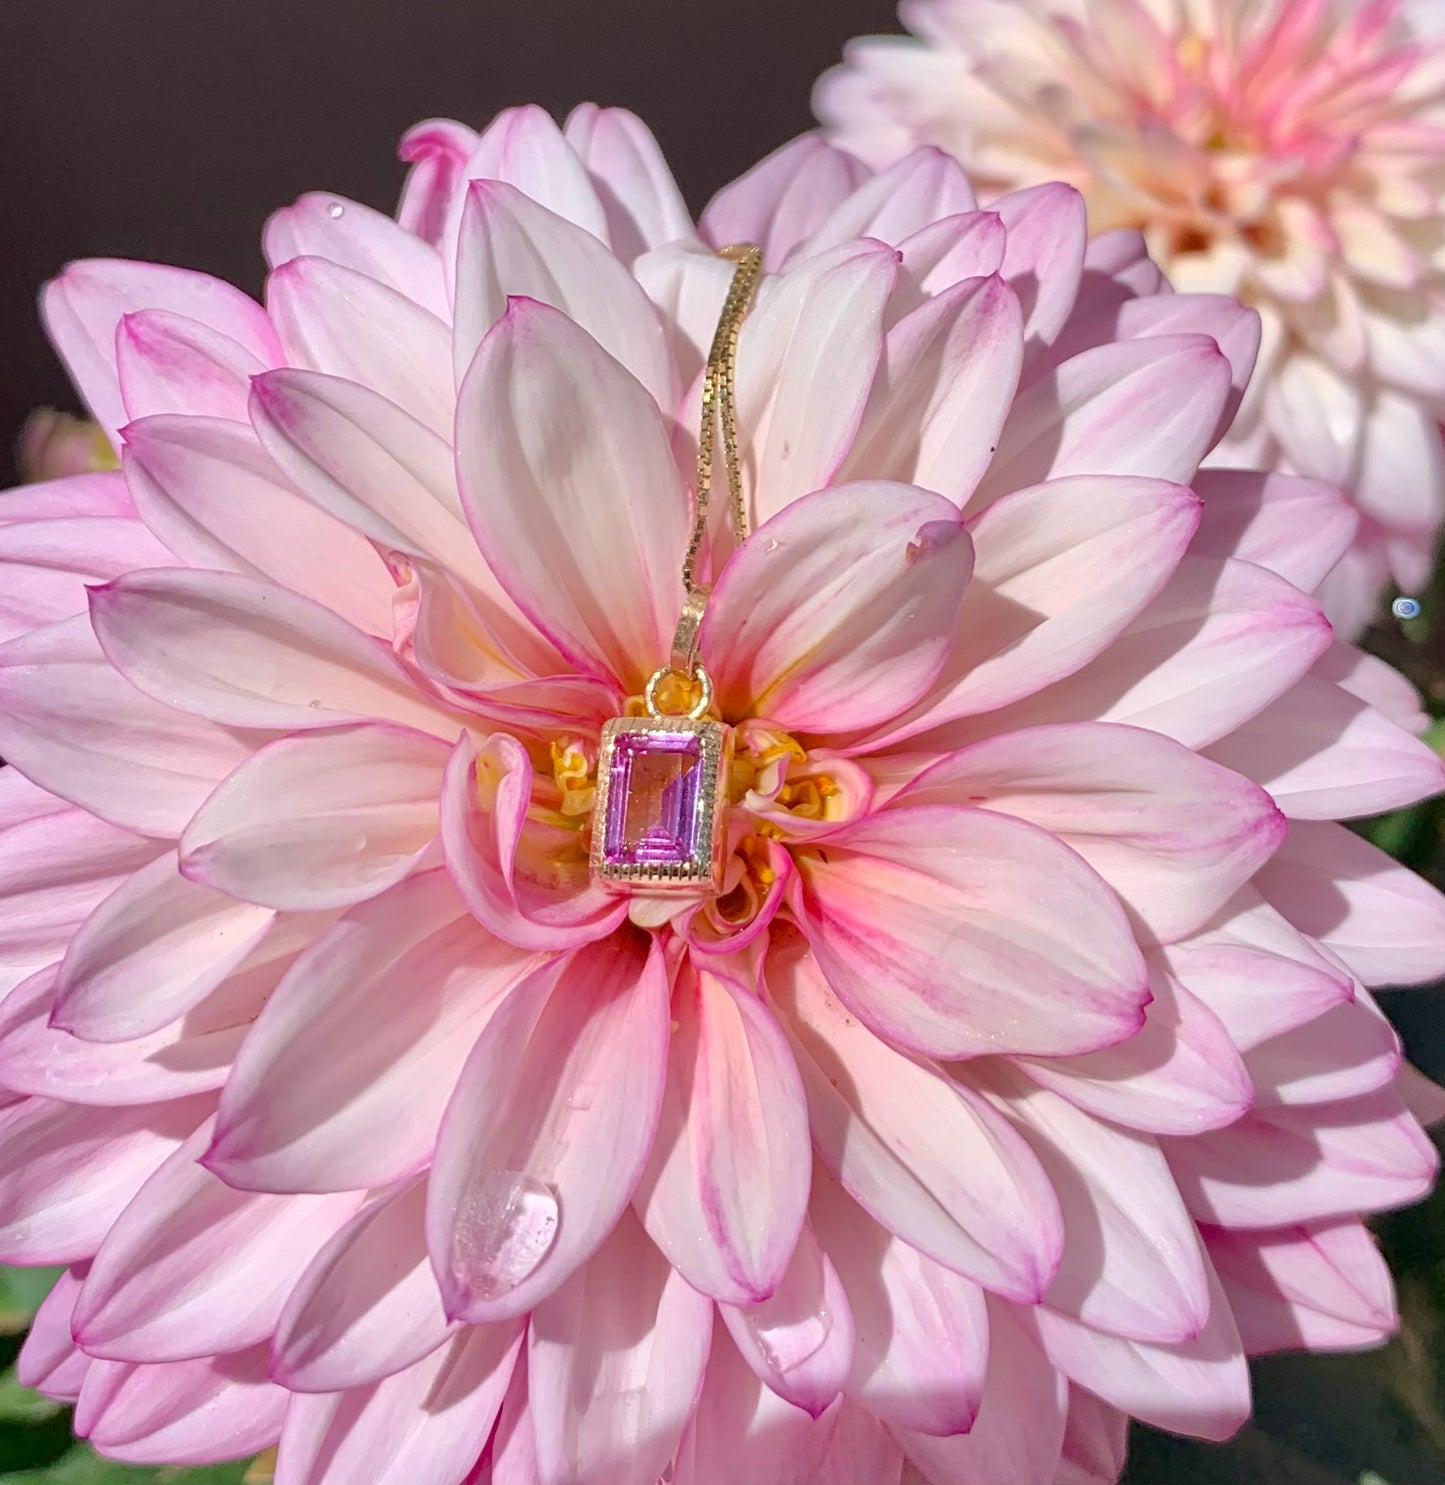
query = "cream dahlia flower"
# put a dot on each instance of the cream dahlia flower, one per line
(1022, 1077)
(1288, 152)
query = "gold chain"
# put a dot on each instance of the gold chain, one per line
(719, 402)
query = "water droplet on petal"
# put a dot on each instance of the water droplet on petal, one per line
(770, 545)
(789, 1340)
(504, 1230)
(335, 209)
(581, 1096)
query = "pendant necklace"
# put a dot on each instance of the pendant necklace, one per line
(662, 777)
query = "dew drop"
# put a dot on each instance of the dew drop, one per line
(335, 209)
(790, 1340)
(505, 1228)
(770, 545)
(581, 1096)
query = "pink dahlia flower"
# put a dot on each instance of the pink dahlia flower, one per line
(1288, 152)
(1022, 1077)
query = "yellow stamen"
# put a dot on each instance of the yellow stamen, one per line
(572, 773)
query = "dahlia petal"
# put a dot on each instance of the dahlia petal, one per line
(580, 516)
(1318, 1288)
(1044, 257)
(209, 492)
(1046, 597)
(1132, 1264)
(1402, 471)
(1019, 1431)
(57, 869)
(1218, 644)
(944, 253)
(294, 1116)
(807, 355)
(1325, 755)
(366, 462)
(83, 307)
(155, 947)
(204, 1411)
(861, 1448)
(67, 1172)
(742, 1430)
(46, 566)
(168, 363)
(943, 390)
(321, 819)
(925, 185)
(193, 1267)
(689, 285)
(644, 207)
(782, 200)
(727, 1186)
(512, 247)
(1385, 922)
(579, 1049)
(1181, 1074)
(839, 612)
(49, 1361)
(1134, 407)
(37, 1057)
(351, 235)
(102, 494)
(1381, 685)
(1295, 527)
(927, 926)
(1198, 1387)
(921, 1346)
(1280, 1165)
(800, 1339)
(1257, 973)
(1425, 1099)
(21, 801)
(536, 899)
(342, 323)
(1318, 415)
(243, 652)
(609, 1397)
(1096, 1439)
(146, 769)
(525, 148)
(927, 1158)
(1171, 833)
(429, 1422)
(367, 1306)
(437, 151)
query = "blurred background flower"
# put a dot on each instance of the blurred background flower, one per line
(1288, 152)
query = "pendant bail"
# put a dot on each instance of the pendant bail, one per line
(689, 625)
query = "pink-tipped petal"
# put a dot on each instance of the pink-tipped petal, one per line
(437, 151)
(927, 1158)
(83, 307)
(511, 246)
(927, 924)
(549, 1129)
(1386, 923)
(1019, 1431)
(168, 363)
(840, 611)
(154, 949)
(245, 653)
(727, 1186)
(1319, 1288)
(609, 1396)
(525, 148)
(638, 193)
(367, 1306)
(921, 1330)
(429, 1422)
(781, 201)
(943, 389)
(1047, 231)
(193, 1267)
(581, 516)
(321, 819)
(50, 1362)
(206, 488)
(296, 1117)
(892, 205)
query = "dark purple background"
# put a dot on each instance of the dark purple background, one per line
(168, 129)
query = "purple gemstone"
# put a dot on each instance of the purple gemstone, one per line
(653, 799)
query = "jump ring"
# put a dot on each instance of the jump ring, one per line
(700, 707)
